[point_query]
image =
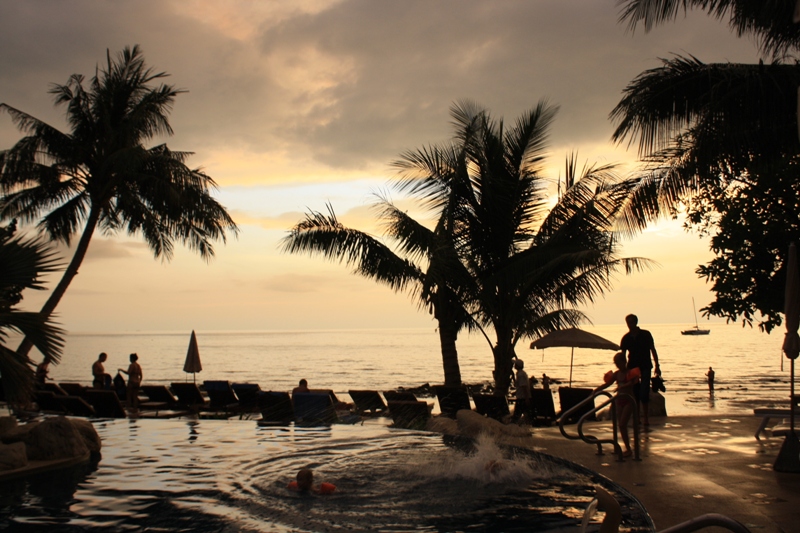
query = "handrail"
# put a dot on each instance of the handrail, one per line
(708, 520)
(591, 439)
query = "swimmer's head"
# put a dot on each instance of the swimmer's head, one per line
(305, 478)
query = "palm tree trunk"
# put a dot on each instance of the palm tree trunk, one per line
(71, 271)
(448, 333)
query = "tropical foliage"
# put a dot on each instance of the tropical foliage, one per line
(22, 264)
(499, 258)
(720, 141)
(101, 176)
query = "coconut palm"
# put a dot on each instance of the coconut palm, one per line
(529, 263)
(22, 263)
(416, 262)
(101, 175)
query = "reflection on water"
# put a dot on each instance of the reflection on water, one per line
(211, 475)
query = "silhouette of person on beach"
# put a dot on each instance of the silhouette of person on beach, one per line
(625, 379)
(134, 373)
(710, 375)
(301, 387)
(523, 391)
(305, 483)
(545, 382)
(100, 380)
(41, 372)
(638, 344)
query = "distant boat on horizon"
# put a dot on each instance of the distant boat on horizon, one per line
(696, 329)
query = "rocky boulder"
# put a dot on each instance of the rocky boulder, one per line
(7, 423)
(442, 424)
(54, 438)
(88, 433)
(13, 456)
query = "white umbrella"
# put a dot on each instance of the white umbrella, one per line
(788, 460)
(573, 338)
(192, 363)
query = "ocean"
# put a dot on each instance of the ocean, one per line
(750, 368)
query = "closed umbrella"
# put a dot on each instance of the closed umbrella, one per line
(573, 338)
(788, 460)
(192, 363)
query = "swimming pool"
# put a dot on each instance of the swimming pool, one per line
(217, 475)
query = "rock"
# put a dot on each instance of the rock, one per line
(55, 438)
(13, 456)
(88, 433)
(19, 433)
(442, 424)
(7, 423)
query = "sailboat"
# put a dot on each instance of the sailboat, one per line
(696, 329)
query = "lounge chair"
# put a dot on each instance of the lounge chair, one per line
(409, 414)
(75, 405)
(767, 413)
(47, 403)
(221, 397)
(106, 403)
(368, 401)
(189, 396)
(247, 393)
(73, 389)
(491, 405)
(543, 408)
(314, 408)
(159, 394)
(452, 400)
(276, 407)
(399, 396)
(569, 397)
(52, 387)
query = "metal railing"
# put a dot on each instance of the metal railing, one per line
(591, 439)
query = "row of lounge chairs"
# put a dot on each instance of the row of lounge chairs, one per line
(225, 399)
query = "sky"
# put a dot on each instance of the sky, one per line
(295, 104)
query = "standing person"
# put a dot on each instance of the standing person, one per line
(545, 382)
(134, 381)
(523, 391)
(99, 372)
(638, 344)
(710, 376)
(41, 372)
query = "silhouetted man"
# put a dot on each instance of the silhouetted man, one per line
(638, 344)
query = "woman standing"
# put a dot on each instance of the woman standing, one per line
(134, 381)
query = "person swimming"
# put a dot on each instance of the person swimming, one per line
(305, 483)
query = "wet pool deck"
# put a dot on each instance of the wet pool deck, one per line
(694, 465)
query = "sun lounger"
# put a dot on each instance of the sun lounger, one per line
(247, 393)
(47, 403)
(159, 394)
(569, 397)
(452, 400)
(314, 408)
(399, 396)
(276, 407)
(106, 403)
(491, 405)
(368, 401)
(221, 397)
(767, 413)
(409, 414)
(543, 407)
(189, 396)
(73, 389)
(52, 387)
(75, 405)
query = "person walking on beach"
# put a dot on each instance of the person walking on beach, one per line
(710, 376)
(638, 344)
(99, 372)
(134, 381)
(523, 391)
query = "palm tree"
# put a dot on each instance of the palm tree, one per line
(101, 175)
(415, 263)
(711, 135)
(528, 263)
(22, 263)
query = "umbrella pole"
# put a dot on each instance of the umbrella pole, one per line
(571, 358)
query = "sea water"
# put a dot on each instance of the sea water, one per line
(750, 368)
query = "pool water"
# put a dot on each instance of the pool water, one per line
(217, 475)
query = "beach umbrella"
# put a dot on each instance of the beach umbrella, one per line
(789, 457)
(192, 363)
(573, 338)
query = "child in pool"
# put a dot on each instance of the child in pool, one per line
(305, 483)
